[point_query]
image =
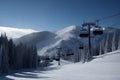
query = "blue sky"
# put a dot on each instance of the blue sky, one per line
(53, 15)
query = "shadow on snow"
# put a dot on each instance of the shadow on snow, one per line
(28, 73)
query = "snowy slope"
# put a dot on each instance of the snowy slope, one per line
(48, 43)
(15, 32)
(104, 67)
(67, 38)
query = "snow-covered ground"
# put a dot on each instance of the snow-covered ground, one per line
(104, 67)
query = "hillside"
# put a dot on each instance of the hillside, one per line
(47, 42)
(67, 38)
(104, 67)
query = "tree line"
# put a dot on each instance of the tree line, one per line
(16, 56)
(107, 43)
(110, 43)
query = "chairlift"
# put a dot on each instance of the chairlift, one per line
(69, 54)
(63, 55)
(53, 58)
(84, 33)
(47, 58)
(57, 59)
(81, 47)
(72, 53)
(98, 31)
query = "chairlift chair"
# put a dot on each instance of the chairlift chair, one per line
(72, 53)
(47, 59)
(84, 33)
(63, 55)
(81, 47)
(98, 31)
(69, 54)
(57, 59)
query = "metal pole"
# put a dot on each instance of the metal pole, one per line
(89, 42)
(80, 55)
(59, 50)
(59, 58)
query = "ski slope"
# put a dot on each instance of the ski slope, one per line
(104, 67)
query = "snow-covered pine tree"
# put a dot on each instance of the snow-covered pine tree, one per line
(85, 54)
(100, 50)
(102, 46)
(106, 44)
(35, 57)
(113, 41)
(119, 43)
(82, 58)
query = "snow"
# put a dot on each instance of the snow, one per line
(15, 32)
(67, 38)
(48, 41)
(103, 67)
(67, 32)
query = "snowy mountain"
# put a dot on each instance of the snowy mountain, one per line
(15, 32)
(47, 42)
(67, 38)
(103, 67)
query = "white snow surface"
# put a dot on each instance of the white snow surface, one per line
(104, 67)
(15, 32)
(66, 32)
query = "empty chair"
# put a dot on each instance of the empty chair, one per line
(84, 33)
(81, 47)
(69, 54)
(57, 59)
(47, 58)
(98, 31)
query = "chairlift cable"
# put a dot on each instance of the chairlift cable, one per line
(108, 17)
(105, 18)
(117, 23)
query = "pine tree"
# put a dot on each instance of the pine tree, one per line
(0, 58)
(35, 57)
(113, 42)
(102, 46)
(119, 43)
(11, 53)
(100, 50)
(16, 56)
(4, 57)
(106, 44)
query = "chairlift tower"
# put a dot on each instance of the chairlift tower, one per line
(97, 31)
(58, 54)
(88, 25)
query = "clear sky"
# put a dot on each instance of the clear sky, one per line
(56, 14)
